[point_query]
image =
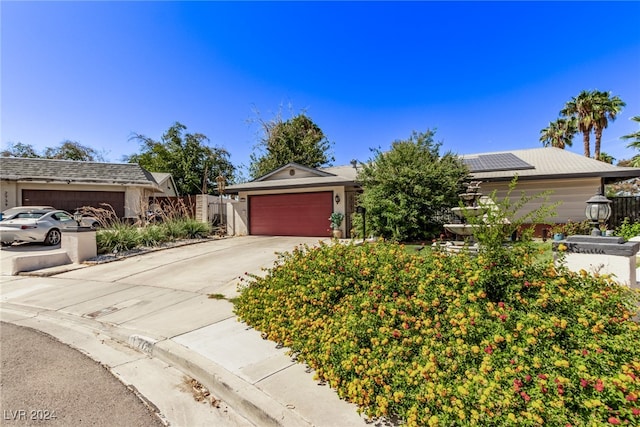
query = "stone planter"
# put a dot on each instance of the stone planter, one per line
(336, 233)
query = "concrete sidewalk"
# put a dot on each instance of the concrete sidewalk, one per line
(158, 304)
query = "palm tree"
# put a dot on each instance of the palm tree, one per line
(605, 109)
(635, 143)
(607, 158)
(635, 136)
(559, 133)
(581, 108)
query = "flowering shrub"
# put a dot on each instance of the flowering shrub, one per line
(448, 340)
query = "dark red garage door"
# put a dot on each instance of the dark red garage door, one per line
(302, 214)
(71, 200)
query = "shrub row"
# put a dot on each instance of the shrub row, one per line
(122, 237)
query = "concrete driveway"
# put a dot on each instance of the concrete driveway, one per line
(204, 268)
(157, 303)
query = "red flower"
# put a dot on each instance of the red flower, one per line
(501, 304)
(631, 397)
(542, 376)
(599, 385)
(488, 349)
(527, 378)
(584, 383)
(635, 411)
(517, 384)
(560, 389)
(525, 396)
(613, 420)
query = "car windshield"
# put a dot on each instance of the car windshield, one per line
(29, 215)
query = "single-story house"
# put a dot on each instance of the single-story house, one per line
(296, 200)
(68, 185)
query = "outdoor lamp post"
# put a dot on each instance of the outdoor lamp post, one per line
(77, 217)
(598, 211)
(220, 180)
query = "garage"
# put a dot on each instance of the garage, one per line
(71, 200)
(293, 214)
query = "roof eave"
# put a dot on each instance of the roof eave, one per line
(239, 188)
(608, 176)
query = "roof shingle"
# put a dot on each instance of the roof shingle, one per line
(16, 168)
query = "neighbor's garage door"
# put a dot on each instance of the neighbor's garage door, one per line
(302, 214)
(71, 200)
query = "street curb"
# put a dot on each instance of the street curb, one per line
(246, 399)
(249, 401)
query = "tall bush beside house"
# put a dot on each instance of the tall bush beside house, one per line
(405, 188)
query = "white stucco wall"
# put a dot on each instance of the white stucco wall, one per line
(237, 222)
(8, 194)
(623, 268)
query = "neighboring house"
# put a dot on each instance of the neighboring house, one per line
(297, 200)
(68, 185)
(166, 183)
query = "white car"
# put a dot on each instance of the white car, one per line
(12, 212)
(36, 226)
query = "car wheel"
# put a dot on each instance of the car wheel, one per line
(95, 225)
(53, 237)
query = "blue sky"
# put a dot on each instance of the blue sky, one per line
(487, 75)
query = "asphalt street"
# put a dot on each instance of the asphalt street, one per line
(47, 383)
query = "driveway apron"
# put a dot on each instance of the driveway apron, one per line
(158, 303)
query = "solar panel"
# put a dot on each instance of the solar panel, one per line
(496, 162)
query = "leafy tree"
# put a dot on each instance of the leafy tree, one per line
(193, 164)
(559, 133)
(66, 150)
(592, 110)
(407, 187)
(20, 150)
(73, 150)
(297, 140)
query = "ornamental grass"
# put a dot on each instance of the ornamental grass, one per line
(435, 339)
